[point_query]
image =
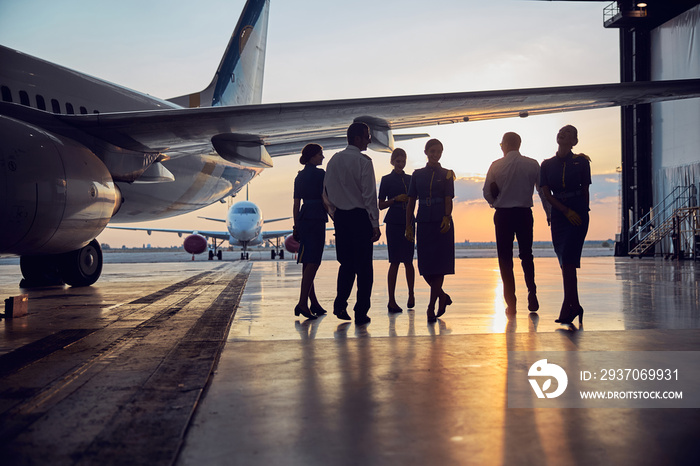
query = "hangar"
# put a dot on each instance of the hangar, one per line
(660, 170)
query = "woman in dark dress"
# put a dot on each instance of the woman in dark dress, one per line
(565, 179)
(433, 187)
(393, 194)
(309, 226)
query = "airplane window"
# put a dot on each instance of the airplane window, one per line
(24, 98)
(6, 94)
(83, 111)
(69, 108)
(40, 102)
(55, 106)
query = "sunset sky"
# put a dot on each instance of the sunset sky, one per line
(321, 50)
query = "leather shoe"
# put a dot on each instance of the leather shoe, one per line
(342, 314)
(532, 304)
(362, 320)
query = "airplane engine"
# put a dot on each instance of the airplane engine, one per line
(291, 245)
(56, 196)
(195, 244)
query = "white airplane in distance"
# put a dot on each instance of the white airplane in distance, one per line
(244, 224)
(78, 152)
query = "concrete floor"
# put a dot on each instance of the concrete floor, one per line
(288, 391)
(402, 391)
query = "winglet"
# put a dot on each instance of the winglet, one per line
(239, 78)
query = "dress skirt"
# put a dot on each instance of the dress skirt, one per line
(568, 239)
(400, 249)
(436, 251)
(312, 234)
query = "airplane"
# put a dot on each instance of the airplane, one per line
(244, 224)
(79, 152)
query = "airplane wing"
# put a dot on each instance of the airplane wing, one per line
(223, 235)
(275, 234)
(284, 127)
(276, 219)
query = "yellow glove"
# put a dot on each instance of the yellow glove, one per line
(409, 233)
(445, 224)
(573, 218)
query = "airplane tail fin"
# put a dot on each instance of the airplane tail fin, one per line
(239, 78)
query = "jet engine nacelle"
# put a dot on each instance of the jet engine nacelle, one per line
(55, 194)
(195, 244)
(291, 245)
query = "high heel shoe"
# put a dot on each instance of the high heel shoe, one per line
(308, 314)
(432, 318)
(411, 302)
(393, 309)
(445, 301)
(568, 317)
(317, 309)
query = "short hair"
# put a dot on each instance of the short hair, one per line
(397, 153)
(355, 130)
(308, 152)
(573, 128)
(513, 140)
(431, 143)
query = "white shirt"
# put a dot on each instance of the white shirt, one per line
(516, 177)
(350, 183)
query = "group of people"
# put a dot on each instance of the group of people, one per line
(347, 192)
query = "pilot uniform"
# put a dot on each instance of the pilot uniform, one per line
(436, 251)
(568, 179)
(312, 218)
(399, 248)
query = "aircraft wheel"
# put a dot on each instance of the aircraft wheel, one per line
(219, 254)
(272, 254)
(211, 255)
(281, 254)
(39, 271)
(242, 256)
(246, 256)
(82, 267)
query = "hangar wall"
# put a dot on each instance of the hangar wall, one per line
(675, 54)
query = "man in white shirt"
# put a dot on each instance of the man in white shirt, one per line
(350, 192)
(508, 188)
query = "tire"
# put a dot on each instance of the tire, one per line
(82, 267)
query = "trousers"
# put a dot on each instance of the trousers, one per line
(514, 222)
(353, 246)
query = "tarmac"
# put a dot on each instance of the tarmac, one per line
(203, 362)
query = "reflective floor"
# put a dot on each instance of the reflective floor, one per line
(401, 391)
(287, 391)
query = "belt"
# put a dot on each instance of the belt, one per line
(569, 194)
(431, 200)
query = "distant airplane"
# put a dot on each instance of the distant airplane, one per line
(78, 152)
(244, 224)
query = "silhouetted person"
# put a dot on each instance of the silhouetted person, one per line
(433, 187)
(565, 179)
(351, 194)
(393, 194)
(508, 188)
(310, 226)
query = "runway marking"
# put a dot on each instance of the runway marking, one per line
(177, 348)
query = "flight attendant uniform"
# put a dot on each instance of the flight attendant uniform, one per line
(568, 178)
(436, 251)
(399, 248)
(312, 219)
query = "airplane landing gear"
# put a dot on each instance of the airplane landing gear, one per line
(76, 268)
(219, 254)
(244, 256)
(279, 254)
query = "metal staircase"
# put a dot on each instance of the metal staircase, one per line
(668, 216)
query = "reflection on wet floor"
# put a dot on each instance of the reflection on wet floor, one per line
(616, 293)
